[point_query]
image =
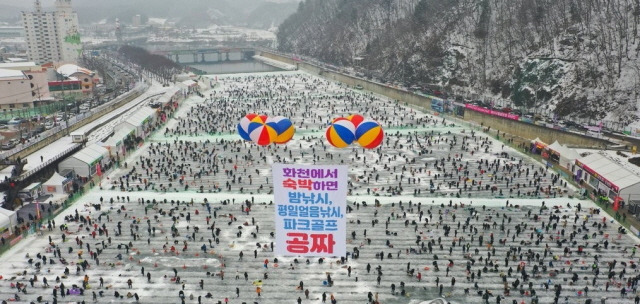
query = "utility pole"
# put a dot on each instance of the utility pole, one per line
(66, 114)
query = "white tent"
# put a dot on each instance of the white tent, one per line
(564, 155)
(8, 219)
(138, 121)
(568, 157)
(57, 184)
(188, 85)
(115, 143)
(555, 146)
(166, 98)
(608, 176)
(84, 161)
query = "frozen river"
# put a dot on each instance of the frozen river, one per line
(458, 215)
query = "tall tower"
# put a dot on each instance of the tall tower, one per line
(41, 35)
(118, 31)
(52, 36)
(68, 31)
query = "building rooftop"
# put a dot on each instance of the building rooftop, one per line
(610, 169)
(70, 69)
(6, 74)
(10, 65)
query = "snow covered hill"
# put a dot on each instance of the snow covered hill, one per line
(570, 58)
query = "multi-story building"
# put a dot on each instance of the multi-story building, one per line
(136, 21)
(38, 76)
(16, 90)
(52, 36)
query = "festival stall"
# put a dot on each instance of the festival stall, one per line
(85, 161)
(57, 184)
(538, 147)
(606, 177)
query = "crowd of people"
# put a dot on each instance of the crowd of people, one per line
(422, 155)
(440, 210)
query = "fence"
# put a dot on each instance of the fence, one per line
(78, 121)
(48, 162)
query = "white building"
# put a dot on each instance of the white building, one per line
(52, 36)
(136, 20)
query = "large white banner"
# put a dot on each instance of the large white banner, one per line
(311, 206)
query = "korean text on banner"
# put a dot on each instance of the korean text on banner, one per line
(311, 204)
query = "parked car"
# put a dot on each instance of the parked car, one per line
(16, 121)
(8, 145)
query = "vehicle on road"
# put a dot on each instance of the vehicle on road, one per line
(16, 121)
(8, 145)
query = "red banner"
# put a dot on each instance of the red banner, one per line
(616, 203)
(492, 112)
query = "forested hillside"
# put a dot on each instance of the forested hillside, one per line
(572, 57)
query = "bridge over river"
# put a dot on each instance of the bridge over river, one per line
(209, 55)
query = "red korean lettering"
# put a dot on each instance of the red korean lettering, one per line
(298, 242)
(322, 243)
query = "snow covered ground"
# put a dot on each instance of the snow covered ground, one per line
(164, 227)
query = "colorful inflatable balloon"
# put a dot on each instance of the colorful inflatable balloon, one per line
(369, 134)
(356, 119)
(243, 126)
(260, 118)
(284, 129)
(341, 133)
(243, 133)
(262, 133)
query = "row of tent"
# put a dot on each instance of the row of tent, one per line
(90, 160)
(87, 162)
(609, 177)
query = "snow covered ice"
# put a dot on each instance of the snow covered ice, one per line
(437, 201)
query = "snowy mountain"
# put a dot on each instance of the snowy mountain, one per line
(575, 58)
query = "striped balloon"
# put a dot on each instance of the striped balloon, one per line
(369, 134)
(262, 133)
(284, 129)
(243, 126)
(341, 133)
(356, 119)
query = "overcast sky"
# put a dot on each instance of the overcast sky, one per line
(29, 3)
